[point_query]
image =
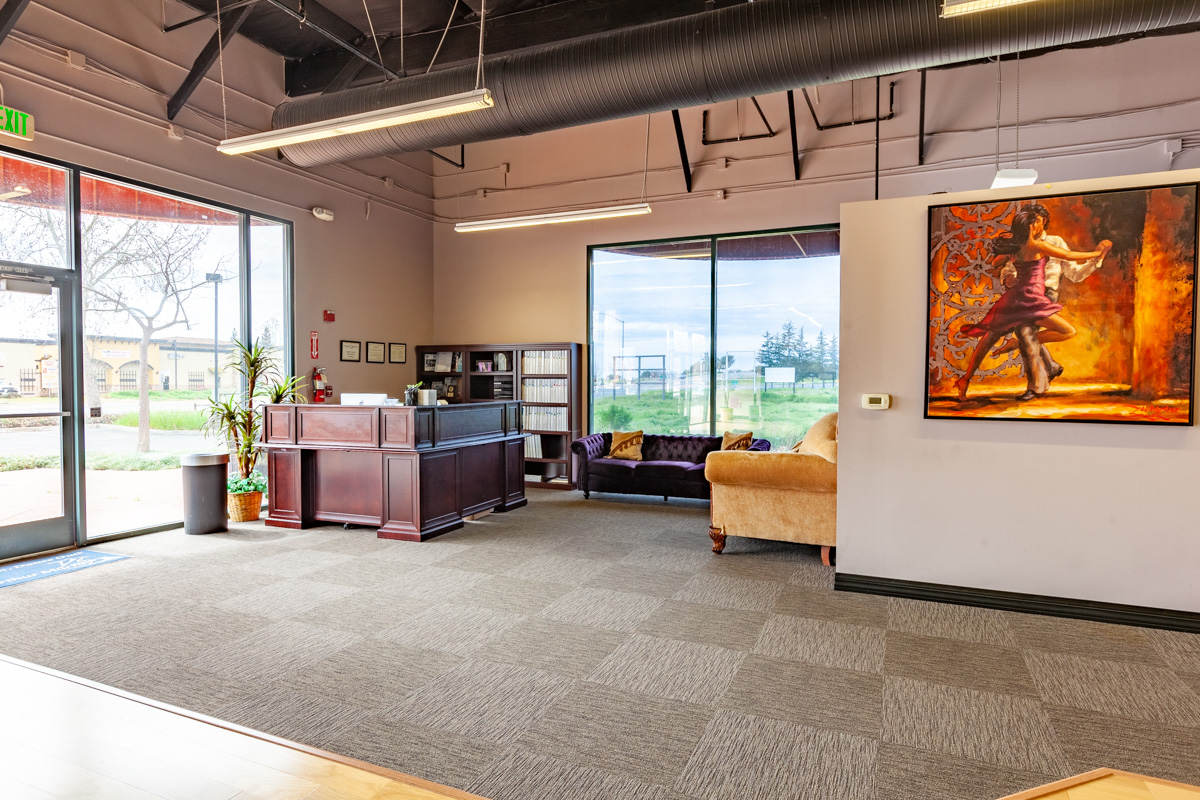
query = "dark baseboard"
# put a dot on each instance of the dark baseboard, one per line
(1115, 613)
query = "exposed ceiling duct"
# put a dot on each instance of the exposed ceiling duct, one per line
(756, 48)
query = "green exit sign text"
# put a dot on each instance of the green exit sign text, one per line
(16, 123)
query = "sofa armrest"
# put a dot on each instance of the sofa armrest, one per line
(594, 446)
(778, 470)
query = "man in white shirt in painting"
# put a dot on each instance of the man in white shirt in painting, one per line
(1040, 366)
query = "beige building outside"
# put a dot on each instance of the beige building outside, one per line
(175, 363)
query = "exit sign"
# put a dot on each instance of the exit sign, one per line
(16, 123)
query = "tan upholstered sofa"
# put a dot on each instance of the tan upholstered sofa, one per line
(785, 495)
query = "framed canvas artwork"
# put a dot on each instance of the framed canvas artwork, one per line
(1068, 307)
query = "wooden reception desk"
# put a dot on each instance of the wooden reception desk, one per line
(414, 472)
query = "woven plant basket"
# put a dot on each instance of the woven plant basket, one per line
(245, 507)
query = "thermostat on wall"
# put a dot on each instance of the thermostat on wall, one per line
(877, 402)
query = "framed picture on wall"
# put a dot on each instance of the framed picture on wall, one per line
(351, 351)
(1064, 307)
(376, 353)
(397, 353)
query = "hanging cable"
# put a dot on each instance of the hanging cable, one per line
(402, 36)
(221, 62)
(999, 80)
(1018, 145)
(443, 39)
(479, 63)
(646, 165)
(374, 38)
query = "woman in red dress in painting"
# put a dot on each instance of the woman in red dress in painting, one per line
(1025, 301)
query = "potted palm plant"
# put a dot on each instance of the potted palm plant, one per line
(238, 421)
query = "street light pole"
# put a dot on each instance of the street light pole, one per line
(215, 278)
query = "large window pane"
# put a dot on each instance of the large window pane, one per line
(162, 307)
(269, 259)
(777, 333)
(33, 213)
(650, 337)
(769, 347)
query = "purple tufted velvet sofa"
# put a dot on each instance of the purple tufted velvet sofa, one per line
(672, 466)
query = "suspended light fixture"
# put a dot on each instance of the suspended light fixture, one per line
(16, 191)
(474, 100)
(357, 123)
(1011, 176)
(557, 216)
(956, 8)
(1006, 178)
(578, 215)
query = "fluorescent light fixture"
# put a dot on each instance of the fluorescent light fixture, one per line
(16, 191)
(1014, 177)
(357, 123)
(956, 8)
(557, 216)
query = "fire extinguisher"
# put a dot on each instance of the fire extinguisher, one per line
(319, 384)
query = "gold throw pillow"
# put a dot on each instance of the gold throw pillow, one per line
(736, 441)
(626, 445)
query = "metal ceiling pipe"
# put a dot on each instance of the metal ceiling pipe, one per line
(751, 49)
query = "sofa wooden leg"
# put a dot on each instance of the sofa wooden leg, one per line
(586, 494)
(827, 555)
(718, 537)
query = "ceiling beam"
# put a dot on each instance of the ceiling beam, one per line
(348, 46)
(8, 16)
(529, 28)
(208, 56)
(209, 15)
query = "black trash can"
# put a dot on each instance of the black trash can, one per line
(204, 492)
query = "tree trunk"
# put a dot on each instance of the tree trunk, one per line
(143, 436)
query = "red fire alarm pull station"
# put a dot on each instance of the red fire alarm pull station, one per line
(329, 316)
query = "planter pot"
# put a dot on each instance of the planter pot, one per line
(726, 413)
(245, 507)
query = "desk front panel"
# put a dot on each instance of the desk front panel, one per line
(348, 486)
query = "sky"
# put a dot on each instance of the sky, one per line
(660, 305)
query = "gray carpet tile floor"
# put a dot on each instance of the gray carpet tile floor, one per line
(578, 649)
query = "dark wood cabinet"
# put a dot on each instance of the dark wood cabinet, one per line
(414, 472)
(545, 377)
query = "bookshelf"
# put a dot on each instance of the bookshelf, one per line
(545, 377)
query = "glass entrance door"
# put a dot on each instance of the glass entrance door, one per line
(37, 509)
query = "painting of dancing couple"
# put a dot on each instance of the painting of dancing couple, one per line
(1076, 307)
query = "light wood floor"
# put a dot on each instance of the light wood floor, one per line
(64, 737)
(1110, 784)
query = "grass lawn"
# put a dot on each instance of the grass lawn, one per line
(780, 415)
(166, 420)
(173, 394)
(117, 461)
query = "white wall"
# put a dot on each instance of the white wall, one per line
(1088, 511)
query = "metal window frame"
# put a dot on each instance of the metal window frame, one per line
(713, 241)
(70, 282)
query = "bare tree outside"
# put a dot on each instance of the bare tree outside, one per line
(141, 271)
(146, 271)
